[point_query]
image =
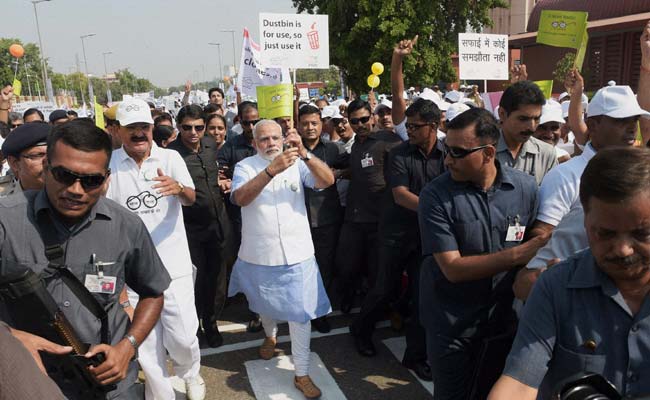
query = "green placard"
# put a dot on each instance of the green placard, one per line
(562, 28)
(18, 87)
(275, 101)
(546, 87)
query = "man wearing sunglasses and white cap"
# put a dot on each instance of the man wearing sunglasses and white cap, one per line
(472, 219)
(154, 183)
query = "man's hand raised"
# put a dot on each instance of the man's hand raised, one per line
(283, 161)
(574, 83)
(405, 47)
(518, 73)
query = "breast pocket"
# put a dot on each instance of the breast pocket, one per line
(567, 362)
(470, 237)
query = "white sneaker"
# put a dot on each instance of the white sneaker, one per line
(195, 388)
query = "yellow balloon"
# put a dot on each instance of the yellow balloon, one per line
(377, 68)
(373, 81)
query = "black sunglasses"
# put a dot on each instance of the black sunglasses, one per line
(409, 126)
(188, 128)
(459, 152)
(253, 122)
(68, 178)
(338, 121)
(363, 120)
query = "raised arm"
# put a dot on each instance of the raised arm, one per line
(402, 49)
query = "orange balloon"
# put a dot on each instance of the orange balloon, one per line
(16, 50)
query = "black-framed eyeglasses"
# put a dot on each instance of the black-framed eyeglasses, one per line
(459, 152)
(34, 157)
(68, 178)
(188, 128)
(356, 121)
(252, 122)
(339, 121)
(409, 126)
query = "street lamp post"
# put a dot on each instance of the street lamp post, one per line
(91, 100)
(46, 80)
(220, 67)
(109, 95)
(234, 62)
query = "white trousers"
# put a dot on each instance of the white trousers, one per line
(174, 332)
(300, 337)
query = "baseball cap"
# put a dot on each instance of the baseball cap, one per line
(455, 110)
(454, 96)
(442, 105)
(330, 112)
(132, 111)
(551, 112)
(428, 94)
(384, 104)
(615, 102)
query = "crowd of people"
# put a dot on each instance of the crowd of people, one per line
(513, 244)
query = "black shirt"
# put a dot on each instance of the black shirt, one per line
(408, 166)
(367, 180)
(207, 216)
(323, 206)
(233, 151)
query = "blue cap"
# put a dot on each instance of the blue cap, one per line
(25, 136)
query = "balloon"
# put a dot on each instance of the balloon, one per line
(373, 81)
(377, 68)
(16, 50)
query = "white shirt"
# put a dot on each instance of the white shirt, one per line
(559, 152)
(560, 188)
(568, 238)
(130, 186)
(400, 129)
(275, 229)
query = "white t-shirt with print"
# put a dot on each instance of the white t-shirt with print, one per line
(130, 186)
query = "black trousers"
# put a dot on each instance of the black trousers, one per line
(210, 256)
(357, 248)
(396, 254)
(325, 240)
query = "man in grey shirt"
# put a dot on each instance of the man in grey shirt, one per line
(591, 313)
(105, 248)
(520, 109)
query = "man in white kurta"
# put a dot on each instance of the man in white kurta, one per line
(154, 183)
(276, 268)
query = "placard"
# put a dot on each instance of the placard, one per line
(294, 40)
(275, 101)
(252, 73)
(562, 28)
(483, 56)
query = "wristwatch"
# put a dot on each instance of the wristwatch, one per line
(134, 343)
(181, 187)
(307, 157)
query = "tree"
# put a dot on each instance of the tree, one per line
(30, 64)
(365, 31)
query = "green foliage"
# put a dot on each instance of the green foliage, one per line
(29, 63)
(365, 31)
(330, 77)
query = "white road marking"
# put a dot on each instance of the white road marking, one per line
(273, 379)
(397, 346)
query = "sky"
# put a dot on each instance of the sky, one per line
(165, 41)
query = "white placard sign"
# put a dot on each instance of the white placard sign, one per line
(295, 40)
(483, 56)
(251, 71)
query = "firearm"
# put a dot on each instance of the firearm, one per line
(32, 308)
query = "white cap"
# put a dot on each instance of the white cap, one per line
(330, 112)
(551, 112)
(562, 96)
(442, 105)
(454, 96)
(339, 102)
(615, 102)
(468, 101)
(429, 94)
(565, 109)
(132, 111)
(455, 110)
(611, 83)
(384, 103)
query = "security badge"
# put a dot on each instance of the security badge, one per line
(515, 232)
(367, 161)
(100, 283)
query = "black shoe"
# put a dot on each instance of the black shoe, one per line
(363, 343)
(346, 304)
(255, 324)
(421, 369)
(213, 337)
(321, 324)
